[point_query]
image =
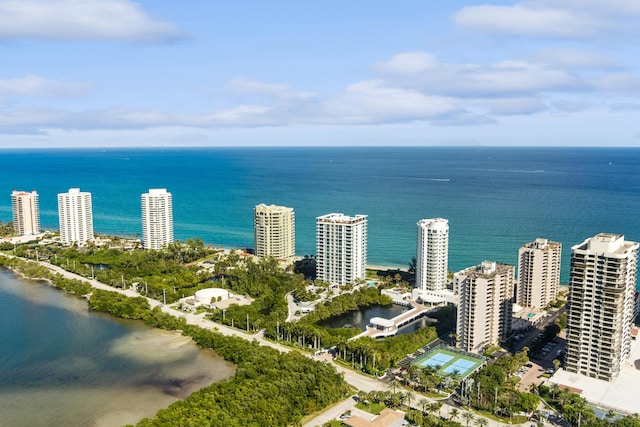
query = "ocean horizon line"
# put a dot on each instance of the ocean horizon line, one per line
(253, 147)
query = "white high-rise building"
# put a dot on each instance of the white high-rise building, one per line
(432, 254)
(601, 305)
(76, 216)
(274, 231)
(157, 219)
(485, 307)
(341, 243)
(26, 212)
(538, 273)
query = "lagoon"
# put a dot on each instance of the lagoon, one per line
(64, 365)
(360, 318)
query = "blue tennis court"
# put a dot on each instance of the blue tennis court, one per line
(438, 359)
(460, 365)
(448, 361)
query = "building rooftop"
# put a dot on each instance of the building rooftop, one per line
(340, 218)
(620, 395)
(387, 418)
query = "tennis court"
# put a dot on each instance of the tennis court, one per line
(449, 361)
(438, 359)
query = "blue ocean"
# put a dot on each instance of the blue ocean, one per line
(495, 199)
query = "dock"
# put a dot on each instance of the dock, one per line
(379, 327)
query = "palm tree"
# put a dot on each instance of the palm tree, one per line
(453, 414)
(468, 417)
(424, 403)
(482, 422)
(447, 382)
(435, 407)
(609, 416)
(409, 396)
(555, 388)
(394, 385)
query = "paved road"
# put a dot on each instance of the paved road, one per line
(357, 380)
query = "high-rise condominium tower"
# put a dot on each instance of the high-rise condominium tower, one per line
(26, 213)
(76, 217)
(538, 273)
(341, 248)
(432, 254)
(157, 219)
(486, 300)
(274, 231)
(601, 305)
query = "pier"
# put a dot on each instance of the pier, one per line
(379, 327)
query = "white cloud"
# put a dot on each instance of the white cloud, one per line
(81, 19)
(247, 86)
(410, 87)
(407, 63)
(577, 59)
(528, 19)
(601, 7)
(32, 85)
(571, 19)
(373, 101)
(567, 106)
(508, 106)
(505, 78)
(622, 82)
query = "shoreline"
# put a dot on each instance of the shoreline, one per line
(173, 386)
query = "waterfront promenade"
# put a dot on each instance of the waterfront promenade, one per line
(355, 379)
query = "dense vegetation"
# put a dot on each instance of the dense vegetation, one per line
(428, 416)
(34, 270)
(269, 388)
(6, 229)
(162, 274)
(264, 281)
(376, 355)
(493, 388)
(307, 331)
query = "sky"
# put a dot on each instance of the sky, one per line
(112, 73)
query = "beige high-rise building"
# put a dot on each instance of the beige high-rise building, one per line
(341, 243)
(76, 216)
(601, 305)
(157, 218)
(274, 232)
(485, 308)
(26, 212)
(538, 273)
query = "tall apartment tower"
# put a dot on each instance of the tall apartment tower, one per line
(76, 216)
(341, 243)
(538, 273)
(601, 305)
(157, 218)
(485, 308)
(432, 254)
(26, 212)
(274, 231)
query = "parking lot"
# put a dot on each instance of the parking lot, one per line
(540, 363)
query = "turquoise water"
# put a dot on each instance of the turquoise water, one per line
(496, 199)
